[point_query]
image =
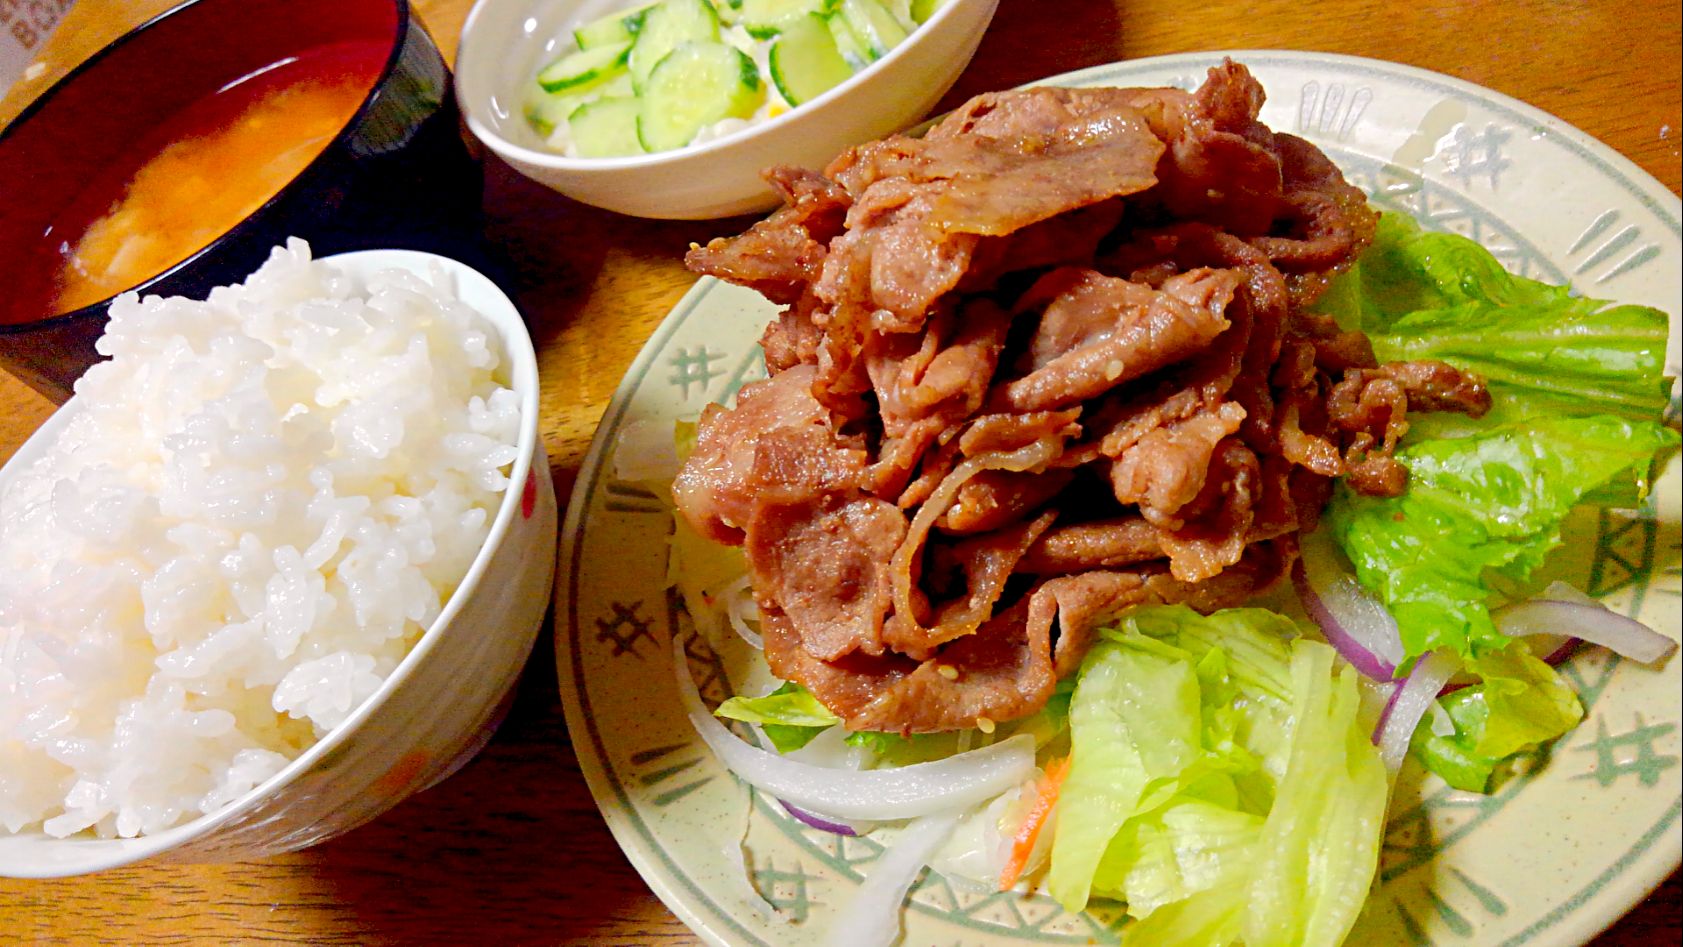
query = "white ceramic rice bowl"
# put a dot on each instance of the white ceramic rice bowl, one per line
(430, 716)
(503, 42)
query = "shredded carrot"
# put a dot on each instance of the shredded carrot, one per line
(1022, 846)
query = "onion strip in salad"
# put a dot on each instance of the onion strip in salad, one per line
(1409, 703)
(736, 599)
(1351, 618)
(873, 916)
(907, 792)
(1564, 611)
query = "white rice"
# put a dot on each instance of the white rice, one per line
(266, 499)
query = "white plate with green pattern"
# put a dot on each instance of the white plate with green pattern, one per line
(1551, 859)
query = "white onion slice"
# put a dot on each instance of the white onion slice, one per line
(1354, 622)
(1409, 702)
(1438, 718)
(737, 597)
(1563, 610)
(906, 792)
(872, 917)
(830, 750)
(804, 754)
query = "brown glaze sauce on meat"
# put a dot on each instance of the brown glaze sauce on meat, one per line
(1050, 361)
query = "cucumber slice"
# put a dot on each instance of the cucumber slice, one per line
(764, 19)
(902, 10)
(696, 85)
(805, 61)
(614, 28)
(848, 43)
(606, 128)
(667, 26)
(876, 28)
(545, 110)
(585, 69)
(922, 10)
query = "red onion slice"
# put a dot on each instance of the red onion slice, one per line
(1409, 703)
(1564, 610)
(1559, 655)
(819, 822)
(1353, 621)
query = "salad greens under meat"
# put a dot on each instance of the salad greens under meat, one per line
(1225, 771)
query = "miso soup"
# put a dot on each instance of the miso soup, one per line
(199, 175)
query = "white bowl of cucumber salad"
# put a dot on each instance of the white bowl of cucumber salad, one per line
(672, 108)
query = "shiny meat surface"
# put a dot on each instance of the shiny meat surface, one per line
(1049, 362)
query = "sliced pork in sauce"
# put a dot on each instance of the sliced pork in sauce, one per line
(1050, 361)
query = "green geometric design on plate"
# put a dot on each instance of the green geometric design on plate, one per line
(1416, 934)
(771, 882)
(1451, 918)
(1399, 190)
(1487, 899)
(751, 368)
(693, 368)
(1454, 920)
(1616, 563)
(1610, 764)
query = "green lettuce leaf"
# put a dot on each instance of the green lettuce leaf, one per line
(1578, 388)
(1491, 502)
(1527, 703)
(790, 715)
(879, 743)
(1454, 757)
(1542, 349)
(1222, 783)
(1521, 704)
(892, 749)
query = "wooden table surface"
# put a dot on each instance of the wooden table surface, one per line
(512, 848)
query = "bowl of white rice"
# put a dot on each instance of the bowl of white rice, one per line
(275, 567)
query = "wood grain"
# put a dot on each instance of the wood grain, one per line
(512, 848)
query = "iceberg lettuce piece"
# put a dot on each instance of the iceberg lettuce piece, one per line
(1319, 848)
(1134, 719)
(1527, 702)
(1222, 782)
(1188, 846)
